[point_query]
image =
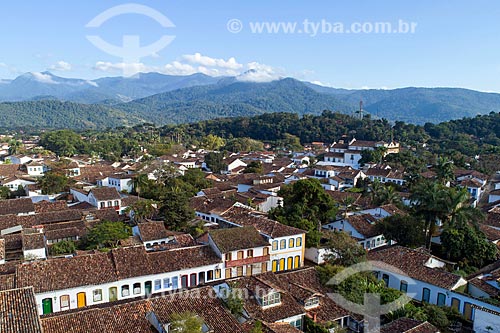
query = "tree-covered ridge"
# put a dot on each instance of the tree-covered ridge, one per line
(231, 99)
(53, 114)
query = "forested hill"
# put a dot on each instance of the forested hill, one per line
(231, 98)
(53, 114)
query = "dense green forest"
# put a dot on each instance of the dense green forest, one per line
(52, 114)
(469, 142)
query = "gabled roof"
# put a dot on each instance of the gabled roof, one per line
(130, 316)
(238, 238)
(408, 325)
(412, 263)
(105, 193)
(273, 229)
(150, 231)
(365, 224)
(64, 273)
(18, 311)
(16, 206)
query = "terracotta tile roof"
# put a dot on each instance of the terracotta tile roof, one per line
(304, 283)
(8, 170)
(82, 205)
(153, 231)
(238, 238)
(105, 193)
(365, 224)
(58, 216)
(130, 317)
(407, 325)
(280, 328)
(16, 206)
(485, 286)
(18, 312)
(274, 229)
(135, 261)
(108, 214)
(412, 262)
(7, 281)
(13, 241)
(393, 210)
(207, 205)
(49, 206)
(471, 183)
(9, 221)
(493, 219)
(64, 273)
(491, 233)
(267, 282)
(33, 240)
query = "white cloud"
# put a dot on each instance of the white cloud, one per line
(44, 78)
(206, 61)
(61, 66)
(197, 63)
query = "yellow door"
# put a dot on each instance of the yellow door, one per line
(297, 262)
(282, 264)
(275, 265)
(289, 263)
(81, 300)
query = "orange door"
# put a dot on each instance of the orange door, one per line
(81, 300)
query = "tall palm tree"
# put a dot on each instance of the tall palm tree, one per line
(429, 201)
(459, 211)
(139, 182)
(444, 170)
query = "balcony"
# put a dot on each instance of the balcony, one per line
(246, 261)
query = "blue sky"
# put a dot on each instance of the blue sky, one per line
(455, 43)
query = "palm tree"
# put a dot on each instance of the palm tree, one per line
(444, 170)
(14, 146)
(139, 182)
(429, 201)
(459, 211)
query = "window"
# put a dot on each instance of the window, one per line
(403, 286)
(228, 273)
(311, 302)
(116, 203)
(240, 255)
(275, 245)
(249, 270)
(291, 243)
(385, 278)
(282, 264)
(192, 280)
(64, 301)
(266, 251)
(166, 283)
(275, 265)
(282, 244)
(102, 204)
(274, 298)
(157, 285)
(113, 294)
(239, 271)
(441, 301)
(217, 273)
(426, 295)
(298, 242)
(228, 256)
(297, 323)
(109, 203)
(210, 275)
(455, 304)
(125, 291)
(249, 253)
(97, 293)
(175, 282)
(137, 288)
(289, 263)
(263, 268)
(297, 262)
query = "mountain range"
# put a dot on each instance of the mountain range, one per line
(41, 99)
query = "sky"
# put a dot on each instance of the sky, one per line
(453, 43)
